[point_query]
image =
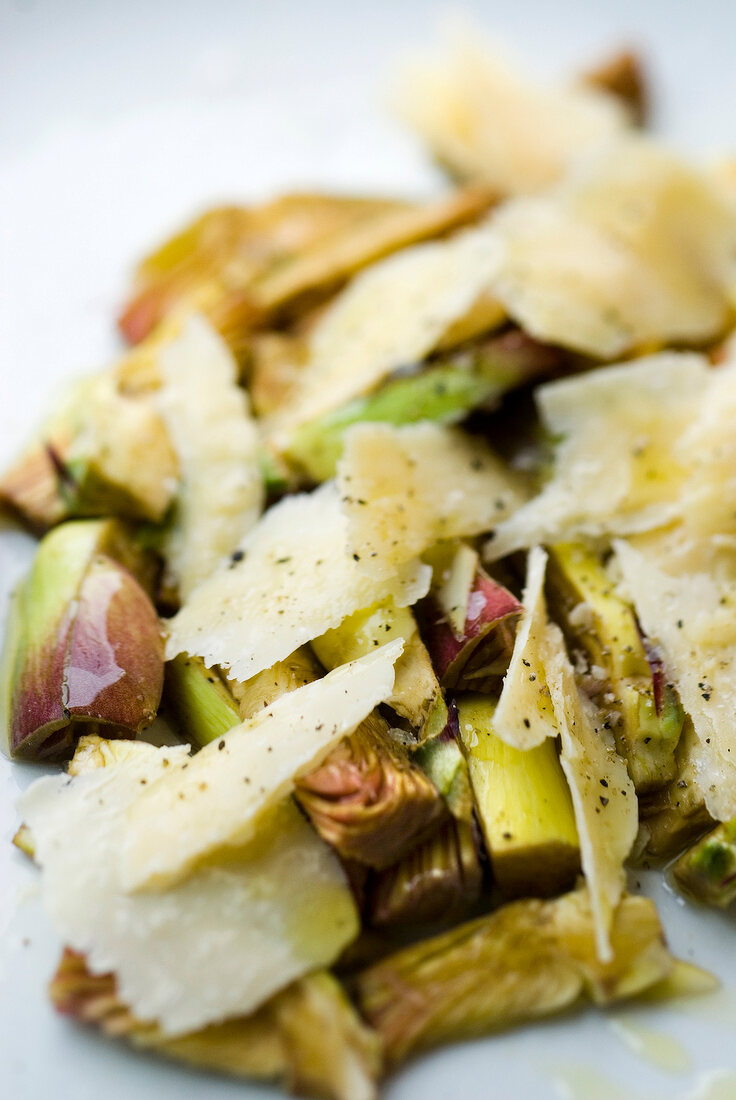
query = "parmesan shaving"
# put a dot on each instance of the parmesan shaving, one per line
(216, 799)
(617, 469)
(393, 314)
(217, 444)
(633, 246)
(405, 488)
(603, 795)
(692, 619)
(489, 121)
(216, 946)
(293, 580)
(524, 715)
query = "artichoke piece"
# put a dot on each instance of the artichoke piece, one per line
(707, 872)
(643, 710)
(309, 1035)
(369, 800)
(266, 687)
(444, 391)
(245, 266)
(23, 840)
(211, 263)
(321, 270)
(84, 645)
(674, 816)
(527, 960)
(416, 694)
(439, 881)
(204, 706)
(442, 759)
(476, 658)
(685, 980)
(523, 804)
(623, 76)
(330, 1051)
(87, 460)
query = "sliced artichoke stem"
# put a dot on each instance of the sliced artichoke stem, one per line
(707, 872)
(309, 1035)
(523, 805)
(77, 606)
(644, 713)
(417, 694)
(439, 881)
(526, 960)
(444, 391)
(202, 703)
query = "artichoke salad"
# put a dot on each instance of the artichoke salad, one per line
(415, 522)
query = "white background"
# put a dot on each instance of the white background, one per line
(118, 121)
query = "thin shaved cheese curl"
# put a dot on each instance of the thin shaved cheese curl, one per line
(603, 796)
(692, 618)
(616, 465)
(294, 581)
(214, 947)
(216, 442)
(404, 489)
(708, 451)
(632, 247)
(392, 315)
(216, 799)
(524, 716)
(488, 120)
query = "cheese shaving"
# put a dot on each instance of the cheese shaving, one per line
(490, 121)
(294, 579)
(633, 246)
(215, 799)
(603, 795)
(405, 488)
(692, 619)
(391, 315)
(617, 468)
(208, 418)
(524, 716)
(214, 947)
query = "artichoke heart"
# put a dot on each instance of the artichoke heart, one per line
(528, 959)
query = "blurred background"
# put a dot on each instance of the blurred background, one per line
(119, 120)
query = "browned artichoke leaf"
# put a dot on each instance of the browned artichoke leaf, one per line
(324, 267)
(244, 267)
(212, 261)
(526, 960)
(622, 75)
(369, 800)
(309, 1035)
(438, 881)
(266, 687)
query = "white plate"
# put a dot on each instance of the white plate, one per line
(119, 121)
